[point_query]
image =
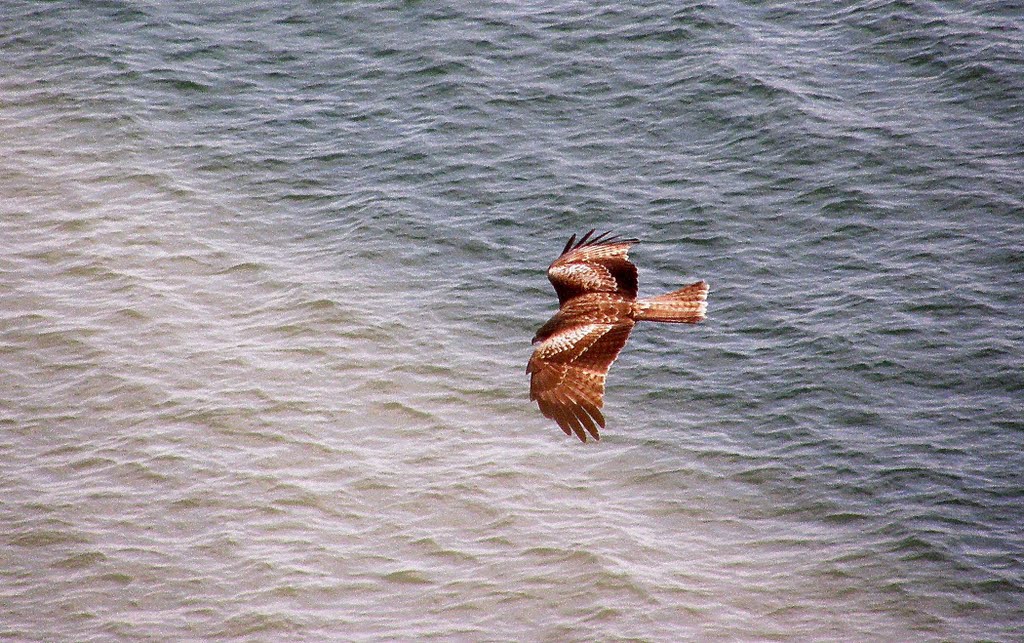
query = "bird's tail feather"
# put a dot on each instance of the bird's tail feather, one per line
(687, 305)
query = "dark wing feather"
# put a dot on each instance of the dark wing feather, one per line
(568, 372)
(594, 264)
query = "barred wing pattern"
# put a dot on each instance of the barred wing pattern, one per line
(596, 285)
(594, 264)
(597, 289)
(568, 374)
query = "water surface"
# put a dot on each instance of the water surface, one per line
(268, 276)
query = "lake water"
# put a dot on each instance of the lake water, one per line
(269, 274)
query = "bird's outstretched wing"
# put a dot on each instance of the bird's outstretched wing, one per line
(568, 371)
(594, 264)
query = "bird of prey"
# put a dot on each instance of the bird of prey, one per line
(597, 286)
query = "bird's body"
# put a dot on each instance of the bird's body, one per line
(597, 293)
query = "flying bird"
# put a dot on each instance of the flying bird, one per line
(597, 287)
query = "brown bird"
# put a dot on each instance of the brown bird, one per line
(596, 285)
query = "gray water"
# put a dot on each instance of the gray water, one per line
(269, 272)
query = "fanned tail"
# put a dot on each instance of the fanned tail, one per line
(687, 305)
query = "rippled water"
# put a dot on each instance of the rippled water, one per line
(268, 275)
